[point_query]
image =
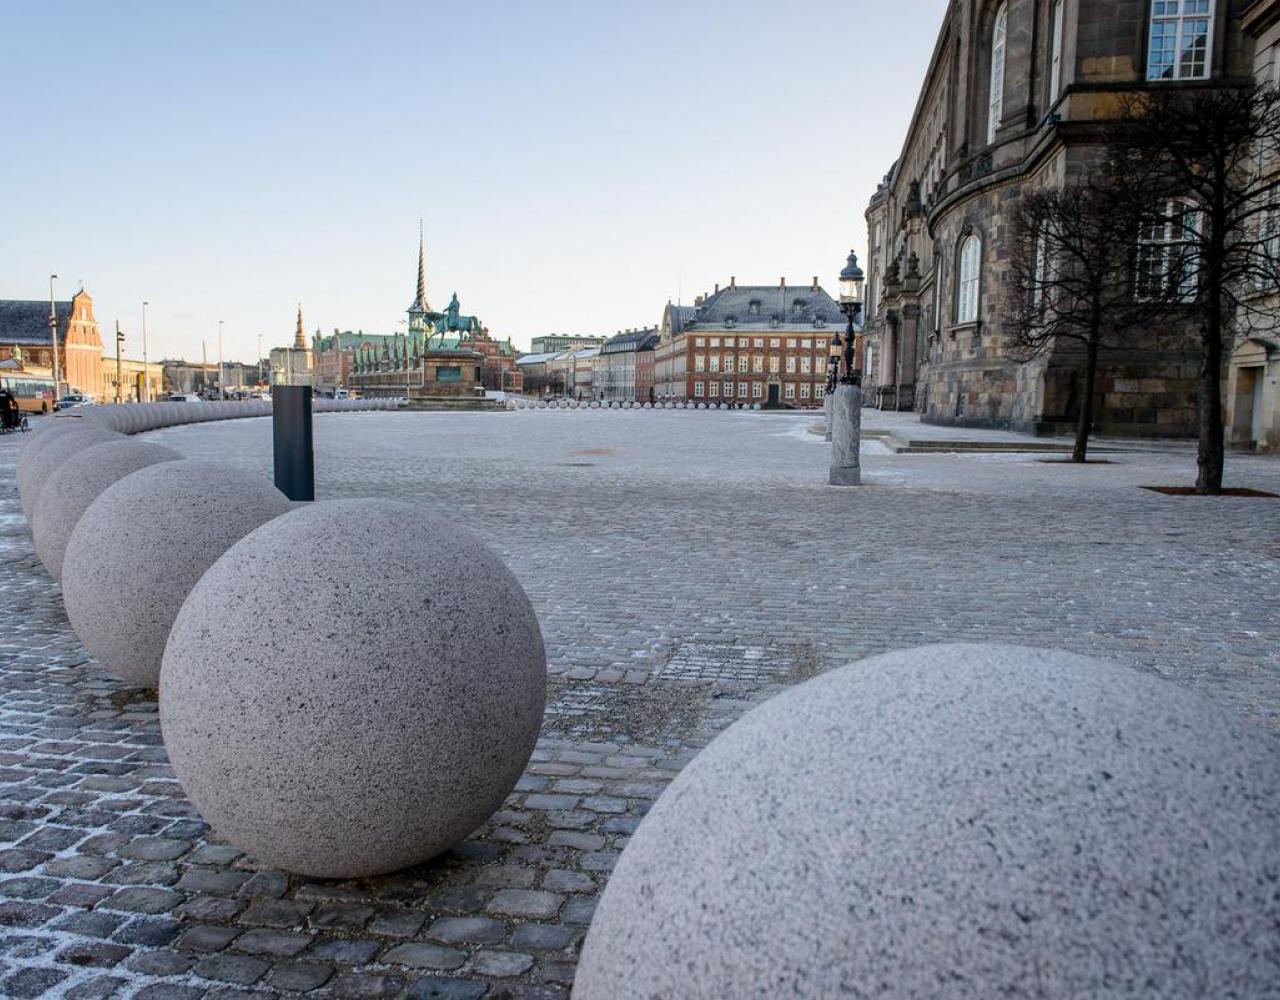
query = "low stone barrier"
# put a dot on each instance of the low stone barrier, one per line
(967, 821)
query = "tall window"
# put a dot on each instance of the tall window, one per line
(967, 293)
(998, 32)
(1165, 260)
(1042, 269)
(1055, 56)
(1178, 47)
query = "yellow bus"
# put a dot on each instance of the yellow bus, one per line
(33, 393)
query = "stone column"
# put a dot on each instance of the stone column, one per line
(826, 416)
(846, 420)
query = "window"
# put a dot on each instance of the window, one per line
(698, 388)
(967, 294)
(699, 362)
(753, 307)
(728, 389)
(715, 388)
(742, 390)
(1055, 54)
(757, 390)
(774, 365)
(804, 390)
(743, 362)
(1042, 269)
(1164, 264)
(998, 32)
(806, 345)
(791, 364)
(715, 342)
(790, 390)
(757, 363)
(698, 341)
(806, 364)
(758, 342)
(1178, 48)
(1268, 248)
(819, 391)
(715, 362)
(775, 342)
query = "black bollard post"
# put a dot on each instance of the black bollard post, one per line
(291, 433)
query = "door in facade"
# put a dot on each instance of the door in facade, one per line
(774, 390)
(1255, 423)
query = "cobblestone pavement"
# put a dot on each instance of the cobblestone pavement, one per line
(685, 565)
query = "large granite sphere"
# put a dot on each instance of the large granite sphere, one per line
(35, 470)
(352, 688)
(141, 546)
(957, 821)
(74, 485)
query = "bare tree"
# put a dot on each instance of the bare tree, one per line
(1069, 271)
(1202, 162)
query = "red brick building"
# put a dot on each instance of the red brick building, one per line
(24, 332)
(765, 344)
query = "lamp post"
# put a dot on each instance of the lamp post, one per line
(53, 338)
(119, 383)
(222, 385)
(146, 372)
(846, 404)
(833, 369)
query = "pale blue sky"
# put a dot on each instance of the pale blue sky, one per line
(576, 163)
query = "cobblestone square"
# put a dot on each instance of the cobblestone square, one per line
(684, 567)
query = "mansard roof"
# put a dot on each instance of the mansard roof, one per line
(26, 321)
(767, 307)
(630, 340)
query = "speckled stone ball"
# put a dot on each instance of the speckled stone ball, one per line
(958, 821)
(352, 688)
(140, 547)
(74, 485)
(35, 467)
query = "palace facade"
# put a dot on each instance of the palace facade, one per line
(749, 344)
(1012, 101)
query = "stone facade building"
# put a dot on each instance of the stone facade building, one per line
(24, 334)
(1252, 397)
(748, 344)
(1011, 102)
(616, 366)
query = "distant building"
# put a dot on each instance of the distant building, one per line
(584, 371)
(553, 343)
(544, 373)
(332, 357)
(132, 375)
(748, 344)
(616, 365)
(24, 335)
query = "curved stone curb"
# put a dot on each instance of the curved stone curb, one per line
(968, 821)
(37, 464)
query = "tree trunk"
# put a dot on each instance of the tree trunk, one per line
(1210, 450)
(1085, 423)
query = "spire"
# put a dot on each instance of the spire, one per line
(299, 339)
(420, 302)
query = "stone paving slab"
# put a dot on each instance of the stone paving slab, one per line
(684, 566)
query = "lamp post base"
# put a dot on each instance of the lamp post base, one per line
(846, 435)
(826, 417)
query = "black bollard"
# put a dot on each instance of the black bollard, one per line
(291, 434)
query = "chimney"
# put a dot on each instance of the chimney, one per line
(733, 282)
(717, 288)
(782, 282)
(815, 283)
(697, 302)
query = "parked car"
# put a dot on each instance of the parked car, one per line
(74, 399)
(184, 397)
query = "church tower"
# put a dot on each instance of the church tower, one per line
(419, 311)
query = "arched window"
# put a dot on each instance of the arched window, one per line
(967, 290)
(999, 30)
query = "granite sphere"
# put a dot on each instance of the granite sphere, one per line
(352, 688)
(35, 470)
(140, 547)
(74, 485)
(957, 821)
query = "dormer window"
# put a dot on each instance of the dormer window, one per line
(731, 321)
(797, 307)
(753, 307)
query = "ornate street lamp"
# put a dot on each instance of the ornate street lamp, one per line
(851, 284)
